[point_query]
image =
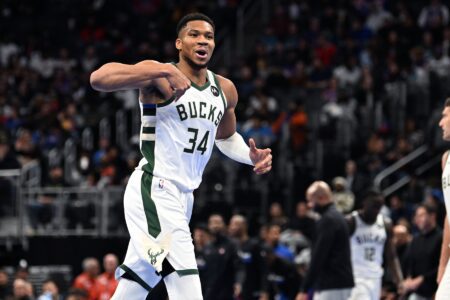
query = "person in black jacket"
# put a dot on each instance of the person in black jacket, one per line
(252, 255)
(422, 256)
(221, 263)
(330, 270)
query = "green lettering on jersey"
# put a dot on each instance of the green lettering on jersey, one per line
(181, 112)
(192, 110)
(202, 110)
(219, 117)
(212, 110)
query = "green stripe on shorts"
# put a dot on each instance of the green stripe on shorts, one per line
(154, 227)
(135, 277)
(187, 272)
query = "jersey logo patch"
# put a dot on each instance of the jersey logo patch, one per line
(153, 256)
(214, 91)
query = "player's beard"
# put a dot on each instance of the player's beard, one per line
(194, 65)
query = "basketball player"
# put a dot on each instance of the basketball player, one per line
(443, 278)
(371, 239)
(185, 109)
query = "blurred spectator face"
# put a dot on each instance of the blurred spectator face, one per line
(110, 263)
(91, 266)
(424, 220)
(350, 167)
(4, 278)
(20, 288)
(301, 209)
(401, 235)
(216, 224)
(50, 287)
(201, 237)
(273, 235)
(276, 210)
(237, 226)
(444, 123)
(396, 202)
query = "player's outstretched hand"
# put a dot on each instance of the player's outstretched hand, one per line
(261, 158)
(178, 81)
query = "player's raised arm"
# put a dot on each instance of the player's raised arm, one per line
(117, 76)
(231, 143)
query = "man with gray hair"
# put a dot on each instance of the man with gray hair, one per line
(330, 271)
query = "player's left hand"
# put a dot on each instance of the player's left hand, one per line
(261, 158)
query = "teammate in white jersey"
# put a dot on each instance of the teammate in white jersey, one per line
(185, 109)
(370, 241)
(443, 279)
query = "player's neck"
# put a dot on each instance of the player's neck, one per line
(197, 76)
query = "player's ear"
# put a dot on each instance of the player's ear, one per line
(178, 44)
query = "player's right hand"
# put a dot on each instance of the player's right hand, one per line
(179, 83)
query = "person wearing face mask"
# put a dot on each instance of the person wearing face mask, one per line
(330, 271)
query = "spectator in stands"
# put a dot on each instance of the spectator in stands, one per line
(421, 273)
(330, 271)
(42, 211)
(222, 263)
(434, 16)
(401, 239)
(356, 181)
(50, 291)
(201, 237)
(272, 241)
(86, 280)
(303, 221)
(5, 287)
(25, 147)
(283, 277)
(22, 290)
(7, 161)
(277, 215)
(343, 198)
(252, 255)
(106, 283)
(77, 294)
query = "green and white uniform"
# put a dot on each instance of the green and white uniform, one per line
(177, 138)
(443, 291)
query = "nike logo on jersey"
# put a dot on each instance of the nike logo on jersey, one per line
(200, 110)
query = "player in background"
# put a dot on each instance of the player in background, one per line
(370, 242)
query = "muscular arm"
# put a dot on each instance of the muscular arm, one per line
(116, 76)
(445, 250)
(231, 143)
(227, 126)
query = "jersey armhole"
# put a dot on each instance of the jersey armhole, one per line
(220, 91)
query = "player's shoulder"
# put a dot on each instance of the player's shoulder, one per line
(224, 82)
(228, 88)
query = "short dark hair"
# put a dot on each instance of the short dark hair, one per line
(447, 102)
(194, 17)
(429, 208)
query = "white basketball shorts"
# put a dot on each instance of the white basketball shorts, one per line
(157, 214)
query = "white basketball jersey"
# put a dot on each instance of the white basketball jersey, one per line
(177, 137)
(446, 186)
(367, 247)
